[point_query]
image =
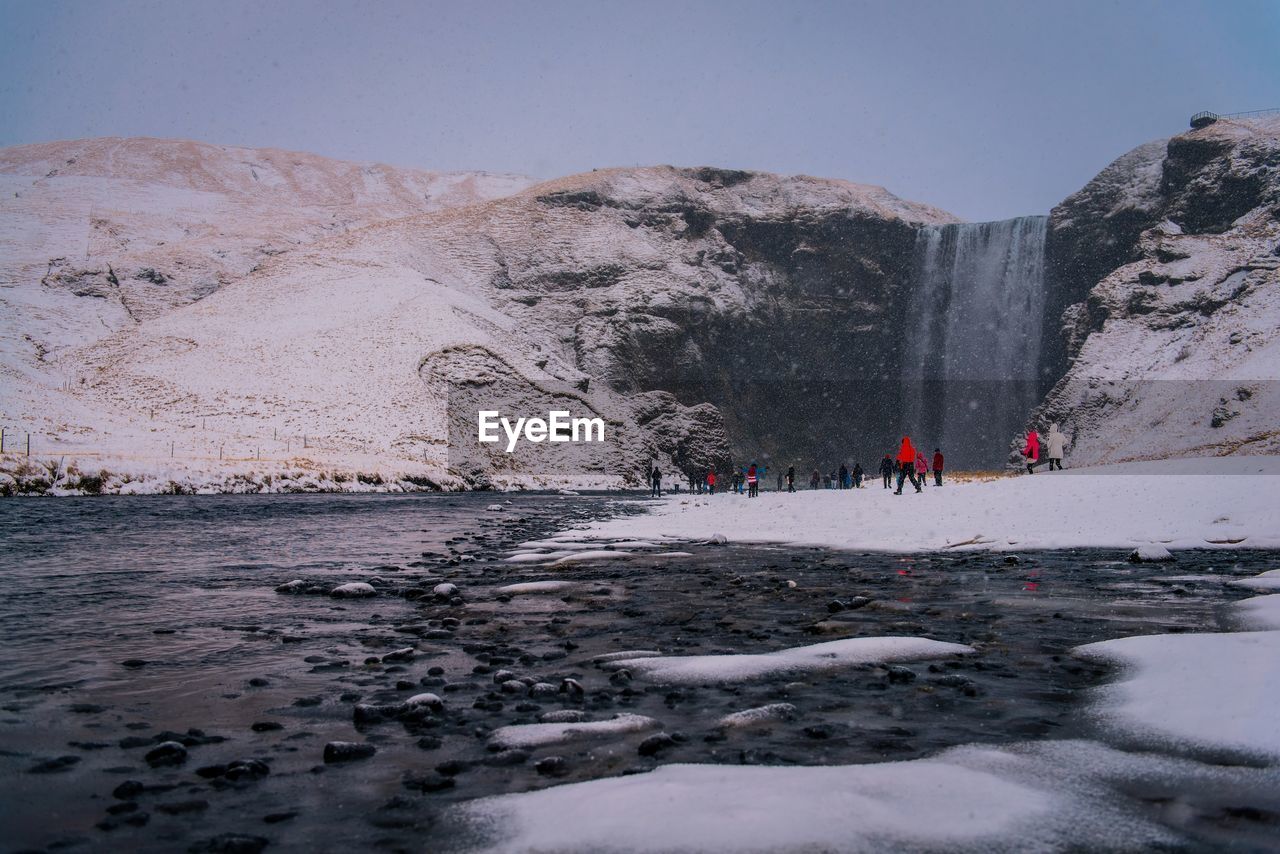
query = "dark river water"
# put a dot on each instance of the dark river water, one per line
(131, 621)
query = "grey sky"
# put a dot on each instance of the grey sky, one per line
(990, 109)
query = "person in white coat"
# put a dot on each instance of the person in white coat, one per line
(1054, 442)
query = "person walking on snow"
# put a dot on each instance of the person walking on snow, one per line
(711, 482)
(937, 467)
(886, 471)
(857, 475)
(814, 479)
(1032, 451)
(655, 483)
(844, 476)
(753, 482)
(1054, 442)
(791, 479)
(906, 464)
(922, 468)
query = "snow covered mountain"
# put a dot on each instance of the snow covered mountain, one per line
(656, 298)
(235, 318)
(1170, 263)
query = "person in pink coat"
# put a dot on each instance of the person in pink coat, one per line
(922, 466)
(1032, 451)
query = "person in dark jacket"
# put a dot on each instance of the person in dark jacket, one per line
(886, 471)
(844, 476)
(907, 464)
(655, 483)
(937, 467)
(857, 475)
(791, 479)
(814, 479)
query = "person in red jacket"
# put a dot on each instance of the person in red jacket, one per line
(937, 467)
(1032, 451)
(907, 457)
(753, 482)
(711, 482)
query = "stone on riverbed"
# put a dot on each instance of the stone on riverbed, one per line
(354, 590)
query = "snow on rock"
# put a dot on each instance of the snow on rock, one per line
(539, 735)
(1206, 691)
(425, 700)
(759, 715)
(526, 588)
(445, 589)
(354, 590)
(1260, 612)
(1169, 260)
(494, 507)
(1150, 553)
(1119, 506)
(796, 661)
(1264, 581)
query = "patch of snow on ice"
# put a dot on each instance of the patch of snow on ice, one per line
(759, 715)
(529, 587)
(539, 735)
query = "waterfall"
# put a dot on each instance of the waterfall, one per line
(972, 338)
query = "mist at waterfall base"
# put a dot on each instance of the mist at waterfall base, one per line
(971, 362)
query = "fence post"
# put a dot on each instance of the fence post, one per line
(2, 429)
(28, 446)
(219, 452)
(171, 450)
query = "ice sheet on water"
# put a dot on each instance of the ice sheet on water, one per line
(1042, 796)
(1263, 581)
(815, 658)
(1260, 612)
(1203, 691)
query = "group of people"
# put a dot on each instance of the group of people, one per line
(909, 464)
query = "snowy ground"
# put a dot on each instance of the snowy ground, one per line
(1182, 711)
(1123, 506)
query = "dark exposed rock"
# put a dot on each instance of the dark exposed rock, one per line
(347, 751)
(231, 843)
(167, 753)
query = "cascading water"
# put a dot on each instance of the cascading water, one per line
(971, 361)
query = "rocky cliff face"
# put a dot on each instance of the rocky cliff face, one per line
(1172, 347)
